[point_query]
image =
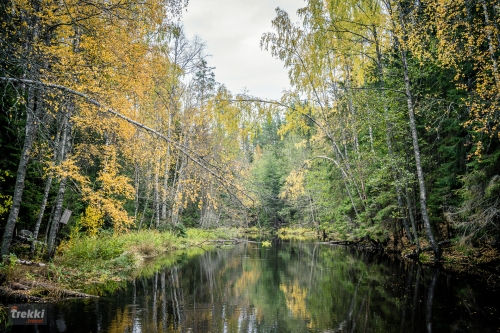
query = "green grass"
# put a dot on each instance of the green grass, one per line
(84, 259)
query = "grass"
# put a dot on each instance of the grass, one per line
(84, 259)
(3, 318)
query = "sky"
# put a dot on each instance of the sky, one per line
(231, 30)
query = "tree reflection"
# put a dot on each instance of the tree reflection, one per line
(430, 298)
(292, 287)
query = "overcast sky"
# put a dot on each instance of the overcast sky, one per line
(232, 31)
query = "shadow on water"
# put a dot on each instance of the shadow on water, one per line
(290, 287)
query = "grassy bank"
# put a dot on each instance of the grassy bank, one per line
(85, 260)
(95, 260)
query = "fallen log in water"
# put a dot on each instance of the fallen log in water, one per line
(344, 243)
(222, 242)
(364, 242)
(233, 241)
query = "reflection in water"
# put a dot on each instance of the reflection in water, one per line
(430, 297)
(292, 287)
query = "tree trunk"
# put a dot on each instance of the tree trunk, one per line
(416, 148)
(51, 242)
(156, 196)
(388, 135)
(58, 151)
(43, 205)
(144, 209)
(33, 109)
(418, 163)
(30, 132)
(166, 175)
(491, 48)
(176, 209)
(177, 186)
(137, 188)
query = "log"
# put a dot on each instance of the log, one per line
(12, 296)
(18, 286)
(346, 243)
(58, 291)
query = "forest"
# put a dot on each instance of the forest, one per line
(390, 131)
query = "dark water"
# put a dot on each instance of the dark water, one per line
(291, 287)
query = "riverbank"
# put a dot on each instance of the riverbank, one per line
(480, 261)
(83, 261)
(90, 267)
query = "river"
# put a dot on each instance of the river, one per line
(290, 287)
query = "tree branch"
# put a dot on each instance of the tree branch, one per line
(189, 153)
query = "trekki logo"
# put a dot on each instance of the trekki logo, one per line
(28, 314)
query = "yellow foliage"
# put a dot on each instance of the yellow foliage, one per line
(5, 199)
(295, 297)
(118, 53)
(294, 185)
(92, 220)
(460, 40)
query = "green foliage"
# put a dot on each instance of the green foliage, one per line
(8, 266)
(190, 216)
(477, 216)
(81, 248)
(334, 152)
(269, 170)
(178, 230)
(5, 199)
(365, 182)
(3, 317)
(424, 258)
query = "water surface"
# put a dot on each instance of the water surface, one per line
(291, 287)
